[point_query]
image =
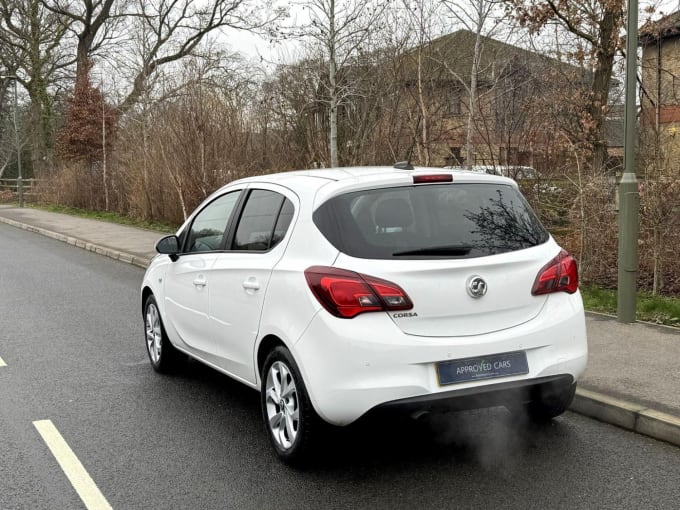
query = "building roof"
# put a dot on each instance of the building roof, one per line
(666, 27)
(457, 51)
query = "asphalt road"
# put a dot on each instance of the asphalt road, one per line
(71, 337)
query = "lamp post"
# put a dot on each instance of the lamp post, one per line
(20, 180)
(629, 196)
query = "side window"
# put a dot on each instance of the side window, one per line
(264, 221)
(208, 228)
(282, 224)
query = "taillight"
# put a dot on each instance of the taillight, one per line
(558, 275)
(346, 294)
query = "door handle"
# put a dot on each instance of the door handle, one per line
(200, 282)
(251, 284)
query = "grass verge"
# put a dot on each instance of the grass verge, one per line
(656, 309)
(110, 217)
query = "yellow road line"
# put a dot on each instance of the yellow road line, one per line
(2, 363)
(74, 470)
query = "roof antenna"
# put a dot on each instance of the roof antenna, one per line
(406, 165)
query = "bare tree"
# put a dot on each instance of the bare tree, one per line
(340, 27)
(480, 17)
(597, 24)
(31, 42)
(180, 148)
(171, 29)
(421, 16)
(96, 21)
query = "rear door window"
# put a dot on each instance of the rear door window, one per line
(434, 221)
(264, 221)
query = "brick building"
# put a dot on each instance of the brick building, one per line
(660, 98)
(517, 116)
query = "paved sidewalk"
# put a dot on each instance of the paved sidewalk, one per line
(128, 244)
(633, 374)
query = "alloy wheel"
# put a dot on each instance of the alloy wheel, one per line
(154, 335)
(282, 404)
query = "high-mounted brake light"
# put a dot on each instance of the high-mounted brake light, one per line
(347, 294)
(432, 178)
(558, 275)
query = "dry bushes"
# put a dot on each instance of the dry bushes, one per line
(585, 221)
(582, 218)
(7, 196)
(73, 184)
(166, 160)
(180, 152)
(171, 154)
(659, 242)
(593, 220)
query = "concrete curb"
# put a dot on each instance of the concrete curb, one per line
(634, 417)
(611, 317)
(128, 258)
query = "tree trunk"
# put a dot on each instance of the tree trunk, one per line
(472, 107)
(83, 54)
(91, 26)
(423, 111)
(333, 119)
(601, 84)
(39, 130)
(657, 283)
(333, 88)
(104, 176)
(148, 206)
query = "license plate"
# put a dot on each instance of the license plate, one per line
(483, 367)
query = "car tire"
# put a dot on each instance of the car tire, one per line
(292, 424)
(162, 354)
(547, 407)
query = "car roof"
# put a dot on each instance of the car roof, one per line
(325, 183)
(316, 186)
(339, 174)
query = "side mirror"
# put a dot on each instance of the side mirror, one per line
(168, 245)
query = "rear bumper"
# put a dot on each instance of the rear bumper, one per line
(352, 366)
(491, 395)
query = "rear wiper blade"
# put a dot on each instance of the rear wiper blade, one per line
(454, 249)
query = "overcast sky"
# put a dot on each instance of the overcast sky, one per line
(254, 46)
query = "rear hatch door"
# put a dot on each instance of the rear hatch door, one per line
(463, 297)
(467, 253)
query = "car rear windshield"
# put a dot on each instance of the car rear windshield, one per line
(432, 221)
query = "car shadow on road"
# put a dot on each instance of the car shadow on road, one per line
(493, 439)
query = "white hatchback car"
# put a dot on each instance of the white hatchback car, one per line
(335, 292)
